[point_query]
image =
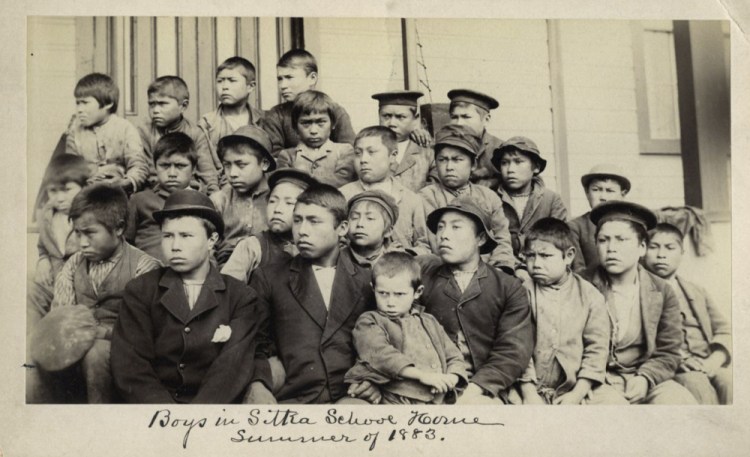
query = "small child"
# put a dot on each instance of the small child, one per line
(175, 159)
(705, 369)
(101, 137)
(235, 81)
(456, 149)
(371, 217)
(525, 199)
(276, 243)
(375, 153)
(297, 72)
(88, 295)
(399, 346)
(328, 162)
(604, 182)
(246, 157)
(572, 325)
(168, 98)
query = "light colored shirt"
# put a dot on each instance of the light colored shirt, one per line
(324, 276)
(192, 291)
(519, 203)
(402, 146)
(463, 278)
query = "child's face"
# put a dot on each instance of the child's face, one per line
(61, 195)
(165, 110)
(373, 160)
(315, 231)
(232, 87)
(517, 170)
(314, 129)
(602, 190)
(367, 226)
(458, 241)
(395, 295)
(398, 118)
(96, 242)
(454, 167)
(89, 112)
(293, 81)
(470, 117)
(618, 247)
(664, 254)
(174, 172)
(546, 263)
(243, 170)
(281, 206)
(185, 243)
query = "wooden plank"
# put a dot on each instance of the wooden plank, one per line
(84, 46)
(144, 68)
(206, 65)
(559, 120)
(247, 45)
(102, 45)
(187, 52)
(268, 56)
(409, 52)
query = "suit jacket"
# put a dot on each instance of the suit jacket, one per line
(417, 167)
(494, 315)
(583, 231)
(314, 344)
(215, 126)
(712, 321)
(336, 167)
(162, 350)
(661, 326)
(277, 122)
(47, 246)
(486, 174)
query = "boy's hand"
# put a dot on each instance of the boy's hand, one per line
(713, 362)
(438, 381)
(366, 391)
(452, 379)
(472, 395)
(420, 136)
(533, 398)
(636, 389)
(258, 394)
(691, 364)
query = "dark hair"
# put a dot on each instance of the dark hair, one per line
(240, 145)
(311, 102)
(299, 58)
(666, 228)
(108, 204)
(170, 86)
(328, 197)
(176, 143)
(393, 264)
(99, 86)
(208, 225)
(66, 168)
(246, 68)
(386, 135)
(461, 104)
(640, 230)
(551, 230)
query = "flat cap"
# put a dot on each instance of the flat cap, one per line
(479, 99)
(459, 136)
(398, 97)
(378, 197)
(254, 135)
(619, 210)
(295, 176)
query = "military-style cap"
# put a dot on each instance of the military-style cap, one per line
(467, 207)
(459, 136)
(295, 176)
(619, 210)
(479, 99)
(254, 135)
(606, 171)
(379, 197)
(520, 143)
(189, 202)
(398, 97)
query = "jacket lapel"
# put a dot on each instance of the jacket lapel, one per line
(535, 199)
(451, 289)
(174, 299)
(409, 159)
(699, 309)
(305, 289)
(208, 300)
(345, 296)
(473, 290)
(651, 308)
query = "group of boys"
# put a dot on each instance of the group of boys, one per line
(277, 256)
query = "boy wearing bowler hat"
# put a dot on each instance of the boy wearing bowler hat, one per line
(185, 333)
(246, 158)
(483, 309)
(525, 199)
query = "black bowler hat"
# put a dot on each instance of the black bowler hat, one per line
(188, 202)
(619, 210)
(467, 207)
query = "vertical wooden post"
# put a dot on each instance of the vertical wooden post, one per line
(559, 125)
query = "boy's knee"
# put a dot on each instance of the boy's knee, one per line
(605, 394)
(670, 393)
(97, 358)
(698, 384)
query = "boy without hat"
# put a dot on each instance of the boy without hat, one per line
(185, 333)
(297, 72)
(483, 309)
(371, 217)
(100, 136)
(456, 149)
(706, 348)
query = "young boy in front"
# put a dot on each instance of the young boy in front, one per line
(525, 199)
(100, 136)
(175, 160)
(371, 217)
(456, 149)
(572, 325)
(706, 348)
(297, 72)
(88, 294)
(375, 153)
(328, 162)
(399, 346)
(186, 334)
(246, 158)
(168, 98)
(235, 81)
(603, 183)
(274, 244)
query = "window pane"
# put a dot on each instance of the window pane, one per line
(226, 38)
(166, 46)
(661, 83)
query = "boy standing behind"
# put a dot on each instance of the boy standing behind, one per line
(328, 162)
(297, 72)
(246, 158)
(375, 153)
(100, 136)
(168, 98)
